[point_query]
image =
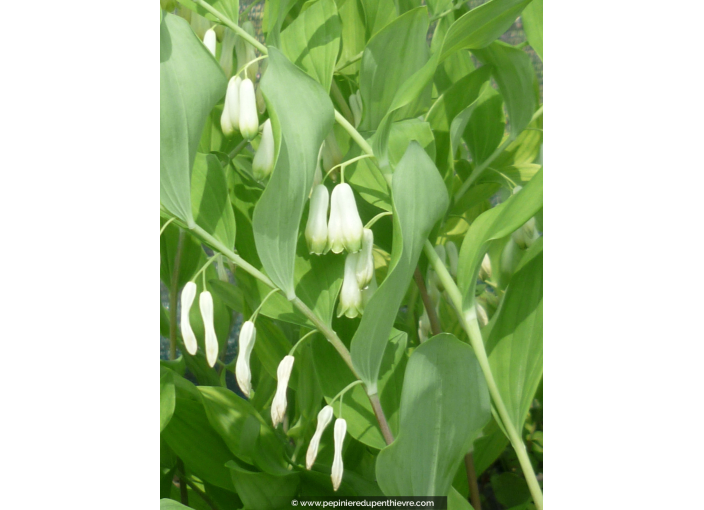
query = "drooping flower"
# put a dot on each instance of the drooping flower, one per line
(424, 327)
(482, 317)
(526, 235)
(188, 295)
(230, 119)
(243, 374)
(485, 268)
(350, 295)
(228, 45)
(317, 226)
(452, 257)
(324, 419)
(263, 162)
(211, 339)
(345, 227)
(210, 40)
(337, 466)
(249, 120)
(278, 405)
(365, 260)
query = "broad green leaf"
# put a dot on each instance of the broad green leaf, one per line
(262, 491)
(489, 447)
(513, 71)
(170, 504)
(392, 56)
(444, 405)
(515, 345)
(510, 489)
(308, 393)
(191, 83)
(533, 25)
(302, 115)
(353, 36)
(456, 501)
(378, 14)
(275, 12)
(312, 41)
(167, 397)
(438, 6)
(419, 200)
(485, 127)
(211, 204)
(495, 224)
(230, 8)
(482, 25)
(192, 256)
(455, 66)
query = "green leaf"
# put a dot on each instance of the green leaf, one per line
(489, 447)
(510, 489)
(444, 405)
(456, 501)
(302, 115)
(378, 14)
(482, 25)
(312, 41)
(533, 25)
(191, 83)
(170, 504)
(262, 491)
(353, 35)
(485, 127)
(495, 224)
(167, 396)
(192, 256)
(513, 71)
(391, 57)
(419, 199)
(515, 345)
(211, 204)
(230, 8)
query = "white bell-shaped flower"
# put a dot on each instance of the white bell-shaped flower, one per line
(317, 225)
(278, 405)
(230, 118)
(210, 40)
(263, 162)
(243, 374)
(188, 295)
(485, 268)
(345, 227)
(482, 317)
(452, 257)
(365, 260)
(249, 120)
(337, 466)
(350, 295)
(324, 419)
(211, 339)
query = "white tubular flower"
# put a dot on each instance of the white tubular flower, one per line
(211, 339)
(228, 46)
(337, 466)
(210, 40)
(345, 228)
(509, 257)
(482, 316)
(452, 257)
(485, 268)
(263, 162)
(424, 329)
(369, 291)
(189, 338)
(526, 235)
(350, 295)
(356, 107)
(243, 374)
(317, 227)
(230, 119)
(365, 260)
(220, 268)
(249, 120)
(278, 405)
(324, 419)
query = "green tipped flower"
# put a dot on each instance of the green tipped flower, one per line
(211, 339)
(365, 261)
(210, 40)
(350, 296)
(337, 465)
(230, 118)
(188, 295)
(345, 227)
(249, 120)
(317, 227)
(278, 405)
(263, 162)
(243, 374)
(324, 418)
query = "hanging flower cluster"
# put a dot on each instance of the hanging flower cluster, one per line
(206, 309)
(324, 418)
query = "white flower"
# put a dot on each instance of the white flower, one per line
(369, 291)
(509, 257)
(337, 466)
(324, 419)
(211, 339)
(350, 295)
(278, 405)
(228, 45)
(424, 328)
(210, 40)
(249, 120)
(332, 156)
(356, 107)
(485, 268)
(230, 119)
(452, 257)
(365, 260)
(263, 162)
(189, 338)
(345, 227)
(317, 227)
(243, 374)
(482, 316)
(220, 268)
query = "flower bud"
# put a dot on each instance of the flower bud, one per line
(337, 466)
(210, 40)
(365, 260)
(482, 316)
(278, 405)
(324, 419)
(526, 235)
(230, 118)
(356, 107)
(440, 250)
(345, 228)
(249, 121)
(189, 338)
(485, 269)
(369, 291)
(243, 374)
(263, 162)
(509, 257)
(452, 257)
(228, 46)
(350, 295)
(332, 156)
(317, 228)
(424, 327)
(211, 339)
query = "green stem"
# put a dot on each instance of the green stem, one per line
(238, 148)
(427, 303)
(256, 312)
(342, 121)
(343, 391)
(471, 326)
(165, 225)
(181, 481)
(173, 296)
(376, 218)
(290, 353)
(194, 488)
(234, 26)
(381, 418)
(351, 61)
(341, 101)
